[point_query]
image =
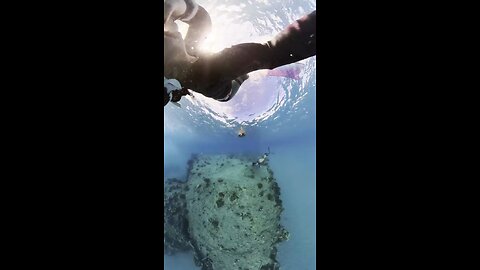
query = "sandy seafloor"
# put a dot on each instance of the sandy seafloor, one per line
(279, 113)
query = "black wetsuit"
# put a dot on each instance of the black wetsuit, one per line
(212, 75)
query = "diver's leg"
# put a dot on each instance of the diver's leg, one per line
(296, 42)
(212, 75)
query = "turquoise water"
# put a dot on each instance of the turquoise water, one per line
(275, 112)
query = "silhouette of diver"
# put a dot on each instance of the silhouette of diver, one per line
(262, 160)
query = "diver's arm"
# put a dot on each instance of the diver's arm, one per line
(173, 9)
(199, 26)
(183, 10)
(189, 12)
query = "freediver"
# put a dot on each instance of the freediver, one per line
(262, 160)
(241, 132)
(219, 75)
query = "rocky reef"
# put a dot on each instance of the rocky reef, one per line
(227, 212)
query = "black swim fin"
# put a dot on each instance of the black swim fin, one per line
(235, 86)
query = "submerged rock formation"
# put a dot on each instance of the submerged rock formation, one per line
(228, 212)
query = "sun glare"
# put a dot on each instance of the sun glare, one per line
(226, 31)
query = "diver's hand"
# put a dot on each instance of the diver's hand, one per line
(178, 94)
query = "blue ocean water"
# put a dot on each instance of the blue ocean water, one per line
(277, 113)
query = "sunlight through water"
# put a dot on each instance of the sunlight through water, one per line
(262, 97)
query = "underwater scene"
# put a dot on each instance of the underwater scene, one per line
(240, 176)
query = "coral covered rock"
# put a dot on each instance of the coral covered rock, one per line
(233, 214)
